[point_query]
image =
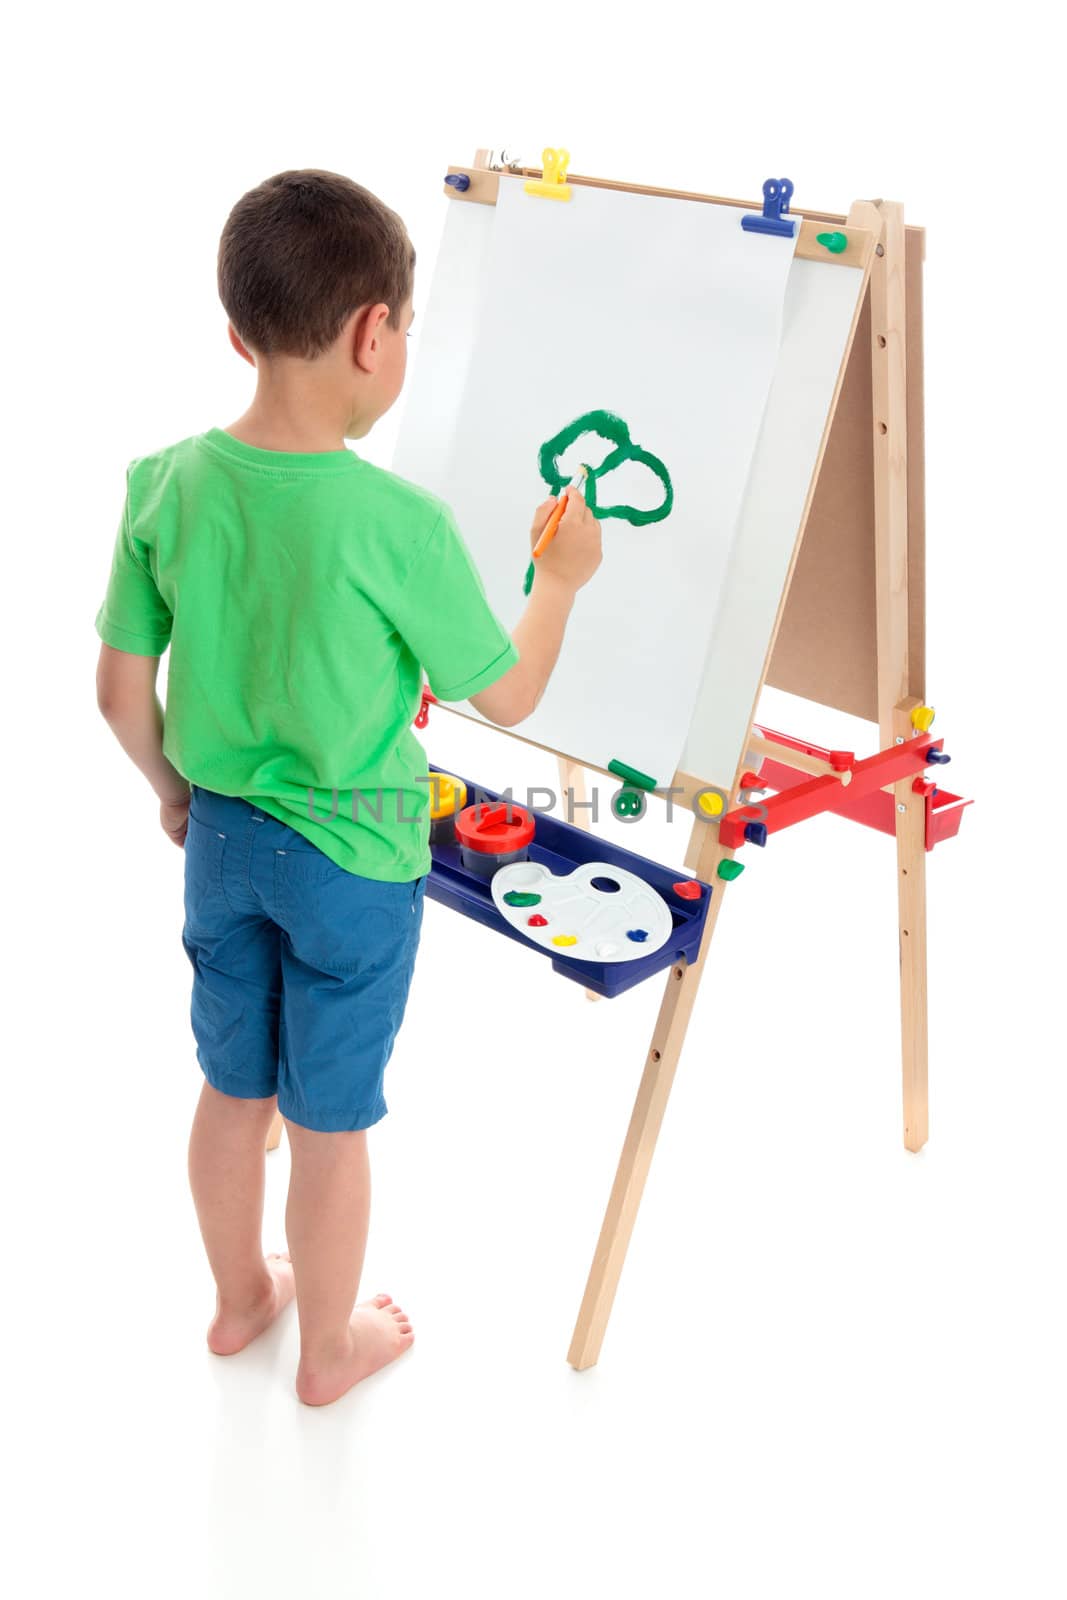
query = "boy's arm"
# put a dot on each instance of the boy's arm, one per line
(134, 624)
(538, 637)
(568, 563)
(126, 695)
(443, 614)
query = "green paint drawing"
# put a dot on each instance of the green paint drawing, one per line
(606, 425)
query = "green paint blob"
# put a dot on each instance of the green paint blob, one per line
(516, 897)
(606, 425)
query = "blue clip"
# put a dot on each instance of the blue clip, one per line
(777, 193)
(937, 758)
(458, 181)
(756, 833)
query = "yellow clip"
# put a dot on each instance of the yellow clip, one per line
(923, 718)
(448, 795)
(551, 185)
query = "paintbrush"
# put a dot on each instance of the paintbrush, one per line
(548, 533)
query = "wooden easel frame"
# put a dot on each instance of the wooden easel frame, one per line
(884, 371)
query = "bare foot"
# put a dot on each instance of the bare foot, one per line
(232, 1330)
(378, 1332)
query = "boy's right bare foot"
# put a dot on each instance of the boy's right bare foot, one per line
(378, 1332)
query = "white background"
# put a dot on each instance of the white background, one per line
(833, 1368)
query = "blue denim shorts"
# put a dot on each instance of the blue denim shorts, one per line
(301, 969)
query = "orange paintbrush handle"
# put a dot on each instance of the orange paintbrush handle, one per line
(548, 532)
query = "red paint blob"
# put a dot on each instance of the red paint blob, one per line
(537, 921)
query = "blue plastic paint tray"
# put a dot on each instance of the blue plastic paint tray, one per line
(561, 847)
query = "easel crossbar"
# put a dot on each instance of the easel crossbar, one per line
(808, 798)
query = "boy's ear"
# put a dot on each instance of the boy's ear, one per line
(367, 331)
(238, 346)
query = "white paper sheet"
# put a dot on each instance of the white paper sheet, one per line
(664, 312)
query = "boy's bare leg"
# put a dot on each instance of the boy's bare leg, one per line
(326, 1222)
(227, 1157)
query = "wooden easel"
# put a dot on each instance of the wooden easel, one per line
(857, 564)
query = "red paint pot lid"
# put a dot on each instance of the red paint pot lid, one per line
(494, 827)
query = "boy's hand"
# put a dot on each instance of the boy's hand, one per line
(575, 552)
(174, 818)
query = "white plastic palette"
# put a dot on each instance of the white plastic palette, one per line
(582, 921)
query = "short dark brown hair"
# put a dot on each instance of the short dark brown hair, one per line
(303, 251)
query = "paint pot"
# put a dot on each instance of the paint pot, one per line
(448, 794)
(493, 834)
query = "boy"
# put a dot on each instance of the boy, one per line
(302, 591)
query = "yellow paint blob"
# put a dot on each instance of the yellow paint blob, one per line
(565, 938)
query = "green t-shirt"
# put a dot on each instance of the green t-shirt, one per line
(301, 596)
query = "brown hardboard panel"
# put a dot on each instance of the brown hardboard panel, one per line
(826, 645)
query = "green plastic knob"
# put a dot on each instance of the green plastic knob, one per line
(629, 803)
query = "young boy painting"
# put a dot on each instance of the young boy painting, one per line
(302, 593)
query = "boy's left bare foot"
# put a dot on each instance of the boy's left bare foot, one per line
(232, 1330)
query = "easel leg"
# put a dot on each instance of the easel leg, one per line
(274, 1137)
(632, 1170)
(683, 980)
(899, 685)
(911, 892)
